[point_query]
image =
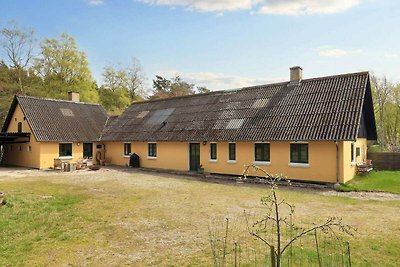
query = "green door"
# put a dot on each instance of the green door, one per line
(194, 156)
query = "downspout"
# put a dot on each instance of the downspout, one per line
(337, 162)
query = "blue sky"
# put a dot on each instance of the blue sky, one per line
(224, 43)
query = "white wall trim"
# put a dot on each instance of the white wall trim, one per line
(264, 163)
(299, 165)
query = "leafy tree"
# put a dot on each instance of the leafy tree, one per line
(164, 88)
(63, 67)
(386, 97)
(18, 45)
(135, 80)
(114, 93)
(202, 90)
(9, 86)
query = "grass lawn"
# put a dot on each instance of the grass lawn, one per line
(384, 181)
(114, 218)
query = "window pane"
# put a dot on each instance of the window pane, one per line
(152, 150)
(299, 153)
(213, 151)
(127, 149)
(65, 150)
(261, 152)
(232, 151)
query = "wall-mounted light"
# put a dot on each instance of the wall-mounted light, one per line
(204, 143)
(78, 144)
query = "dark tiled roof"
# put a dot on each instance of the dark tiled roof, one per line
(327, 108)
(61, 121)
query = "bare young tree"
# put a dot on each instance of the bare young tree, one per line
(18, 45)
(276, 218)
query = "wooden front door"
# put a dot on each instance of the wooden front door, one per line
(194, 156)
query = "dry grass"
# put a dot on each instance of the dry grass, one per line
(113, 218)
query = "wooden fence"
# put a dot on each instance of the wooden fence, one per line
(385, 160)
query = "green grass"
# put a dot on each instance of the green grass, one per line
(379, 181)
(139, 219)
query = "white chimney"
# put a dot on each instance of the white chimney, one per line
(296, 74)
(73, 96)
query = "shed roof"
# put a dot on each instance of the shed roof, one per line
(326, 108)
(59, 120)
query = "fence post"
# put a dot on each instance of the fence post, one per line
(236, 254)
(273, 260)
(348, 251)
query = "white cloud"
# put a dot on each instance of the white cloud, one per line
(207, 5)
(329, 51)
(217, 81)
(276, 7)
(95, 2)
(306, 7)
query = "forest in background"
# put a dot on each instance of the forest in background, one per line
(54, 66)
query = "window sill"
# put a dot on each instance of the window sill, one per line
(231, 161)
(264, 163)
(213, 160)
(300, 165)
(152, 158)
(353, 164)
(127, 156)
(66, 157)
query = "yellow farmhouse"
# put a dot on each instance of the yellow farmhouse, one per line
(306, 129)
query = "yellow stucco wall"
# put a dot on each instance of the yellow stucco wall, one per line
(20, 154)
(50, 151)
(349, 168)
(170, 155)
(321, 167)
(175, 156)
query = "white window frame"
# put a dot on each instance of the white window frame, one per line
(151, 157)
(261, 162)
(230, 160)
(123, 152)
(72, 151)
(216, 155)
(353, 145)
(297, 164)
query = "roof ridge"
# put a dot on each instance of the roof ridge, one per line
(56, 100)
(337, 75)
(251, 87)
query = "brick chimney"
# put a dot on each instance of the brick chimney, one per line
(296, 74)
(73, 96)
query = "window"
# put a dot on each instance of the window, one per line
(29, 148)
(20, 127)
(213, 151)
(298, 153)
(352, 152)
(65, 150)
(87, 150)
(152, 147)
(127, 149)
(261, 152)
(358, 151)
(232, 151)
(19, 148)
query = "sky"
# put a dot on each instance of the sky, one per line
(223, 44)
